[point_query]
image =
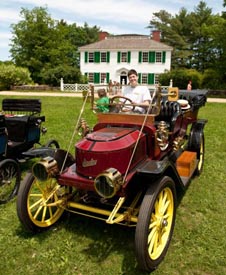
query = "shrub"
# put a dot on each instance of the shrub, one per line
(181, 77)
(212, 80)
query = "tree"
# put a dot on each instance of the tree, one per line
(202, 43)
(32, 39)
(46, 46)
(190, 36)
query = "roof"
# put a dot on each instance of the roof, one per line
(126, 42)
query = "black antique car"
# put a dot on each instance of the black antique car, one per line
(20, 130)
(130, 169)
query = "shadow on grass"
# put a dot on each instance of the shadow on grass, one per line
(105, 242)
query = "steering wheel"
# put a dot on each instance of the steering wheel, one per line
(119, 104)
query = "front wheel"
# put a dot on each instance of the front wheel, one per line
(155, 224)
(40, 203)
(10, 176)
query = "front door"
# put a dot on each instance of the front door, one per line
(123, 79)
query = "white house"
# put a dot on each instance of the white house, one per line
(113, 56)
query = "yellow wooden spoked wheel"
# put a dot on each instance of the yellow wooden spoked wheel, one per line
(40, 204)
(155, 224)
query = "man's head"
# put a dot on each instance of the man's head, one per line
(133, 77)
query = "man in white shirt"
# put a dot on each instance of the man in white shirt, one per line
(137, 93)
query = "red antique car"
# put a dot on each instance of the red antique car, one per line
(129, 169)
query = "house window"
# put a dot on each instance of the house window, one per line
(103, 57)
(91, 57)
(103, 77)
(144, 79)
(158, 57)
(124, 57)
(144, 56)
(156, 78)
(91, 77)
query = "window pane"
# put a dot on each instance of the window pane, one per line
(144, 79)
(91, 57)
(156, 78)
(91, 77)
(124, 57)
(103, 77)
(158, 58)
(103, 57)
(145, 56)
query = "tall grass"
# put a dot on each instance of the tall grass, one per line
(82, 246)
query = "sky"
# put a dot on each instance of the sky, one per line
(113, 16)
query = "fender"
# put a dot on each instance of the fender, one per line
(40, 152)
(154, 169)
(196, 134)
(198, 125)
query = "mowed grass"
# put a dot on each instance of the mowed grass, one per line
(84, 246)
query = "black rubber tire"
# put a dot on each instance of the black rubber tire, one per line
(35, 201)
(197, 144)
(53, 144)
(155, 226)
(10, 176)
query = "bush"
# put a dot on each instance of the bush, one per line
(213, 80)
(11, 75)
(52, 76)
(180, 78)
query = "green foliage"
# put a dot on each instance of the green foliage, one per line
(211, 79)
(192, 36)
(11, 75)
(68, 73)
(49, 48)
(181, 77)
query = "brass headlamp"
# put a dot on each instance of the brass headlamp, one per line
(108, 183)
(45, 168)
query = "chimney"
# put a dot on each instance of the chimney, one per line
(156, 35)
(103, 35)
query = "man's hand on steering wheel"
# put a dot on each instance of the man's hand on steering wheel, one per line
(120, 102)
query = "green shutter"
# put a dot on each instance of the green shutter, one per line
(139, 77)
(86, 57)
(151, 58)
(108, 57)
(108, 77)
(140, 57)
(151, 78)
(129, 57)
(163, 57)
(119, 57)
(97, 57)
(97, 78)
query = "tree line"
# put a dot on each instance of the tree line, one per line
(48, 48)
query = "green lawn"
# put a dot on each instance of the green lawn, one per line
(82, 246)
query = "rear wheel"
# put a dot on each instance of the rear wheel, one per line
(40, 204)
(9, 179)
(197, 144)
(155, 223)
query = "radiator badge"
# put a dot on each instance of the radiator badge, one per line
(88, 163)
